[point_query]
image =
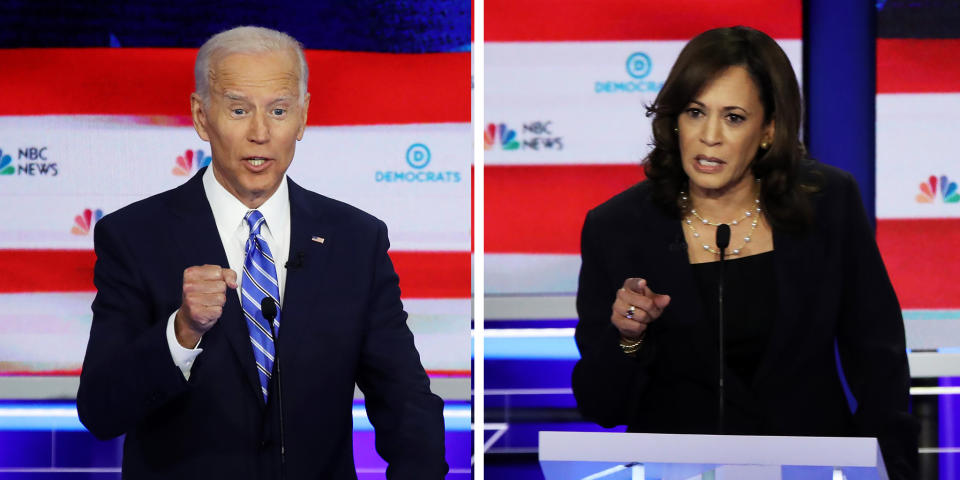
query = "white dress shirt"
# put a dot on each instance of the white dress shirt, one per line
(228, 213)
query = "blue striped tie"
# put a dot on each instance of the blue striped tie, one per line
(259, 281)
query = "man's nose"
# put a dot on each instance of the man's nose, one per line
(259, 131)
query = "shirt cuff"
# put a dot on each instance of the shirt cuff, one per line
(182, 357)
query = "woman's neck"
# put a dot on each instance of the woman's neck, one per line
(723, 204)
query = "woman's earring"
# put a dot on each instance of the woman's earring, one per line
(764, 145)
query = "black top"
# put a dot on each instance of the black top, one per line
(750, 307)
(833, 296)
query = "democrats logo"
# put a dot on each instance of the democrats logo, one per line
(535, 135)
(938, 188)
(83, 223)
(639, 65)
(31, 161)
(417, 157)
(190, 162)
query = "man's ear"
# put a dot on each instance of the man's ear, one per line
(199, 116)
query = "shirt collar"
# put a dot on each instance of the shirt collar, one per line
(228, 210)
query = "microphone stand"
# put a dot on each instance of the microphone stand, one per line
(723, 241)
(269, 309)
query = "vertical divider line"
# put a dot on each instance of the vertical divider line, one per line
(477, 122)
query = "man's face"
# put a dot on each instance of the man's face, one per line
(253, 122)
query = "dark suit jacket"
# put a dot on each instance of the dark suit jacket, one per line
(342, 323)
(833, 289)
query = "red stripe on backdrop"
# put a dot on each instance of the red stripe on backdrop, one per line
(595, 20)
(918, 65)
(46, 271)
(433, 274)
(540, 209)
(921, 258)
(347, 88)
(422, 274)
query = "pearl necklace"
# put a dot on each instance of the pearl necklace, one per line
(746, 214)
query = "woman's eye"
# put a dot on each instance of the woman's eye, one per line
(694, 112)
(734, 118)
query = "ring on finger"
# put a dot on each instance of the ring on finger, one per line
(631, 311)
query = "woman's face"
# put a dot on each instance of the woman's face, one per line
(720, 131)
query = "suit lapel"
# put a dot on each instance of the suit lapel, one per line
(669, 272)
(311, 241)
(199, 242)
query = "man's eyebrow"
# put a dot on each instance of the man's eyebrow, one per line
(234, 96)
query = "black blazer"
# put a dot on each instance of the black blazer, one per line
(342, 323)
(833, 289)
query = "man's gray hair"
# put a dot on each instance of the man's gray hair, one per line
(245, 40)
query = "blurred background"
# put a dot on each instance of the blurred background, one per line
(566, 83)
(94, 114)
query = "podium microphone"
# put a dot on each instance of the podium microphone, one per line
(723, 241)
(269, 309)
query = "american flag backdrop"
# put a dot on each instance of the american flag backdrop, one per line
(918, 204)
(565, 130)
(94, 114)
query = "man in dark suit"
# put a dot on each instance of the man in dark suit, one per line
(185, 356)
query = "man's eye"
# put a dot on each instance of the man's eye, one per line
(237, 111)
(279, 111)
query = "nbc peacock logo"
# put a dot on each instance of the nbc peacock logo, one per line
(941, 188)
(5, 167)
(508, 137)
(191, 161)
(83, 223)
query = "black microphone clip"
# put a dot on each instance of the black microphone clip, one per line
(295, 262)
(269, 308)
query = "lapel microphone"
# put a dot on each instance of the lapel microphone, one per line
(723, 241)
(294, 263)
(269, 309)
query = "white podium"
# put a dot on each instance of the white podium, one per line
(645, 456)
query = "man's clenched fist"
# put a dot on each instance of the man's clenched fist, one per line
(204, 293)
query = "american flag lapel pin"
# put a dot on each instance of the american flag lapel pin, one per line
(317, 238)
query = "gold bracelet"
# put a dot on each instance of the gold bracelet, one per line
(631, 347)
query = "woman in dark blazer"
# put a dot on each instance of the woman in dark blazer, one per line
(803, 277)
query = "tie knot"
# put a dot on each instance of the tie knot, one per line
(255, 220)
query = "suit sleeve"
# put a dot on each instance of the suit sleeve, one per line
(606, 383)
(872, 345)
(127, 371)
(407, 417)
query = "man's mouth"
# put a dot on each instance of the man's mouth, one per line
(256, 161)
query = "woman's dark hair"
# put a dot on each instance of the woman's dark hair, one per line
(778, 168)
